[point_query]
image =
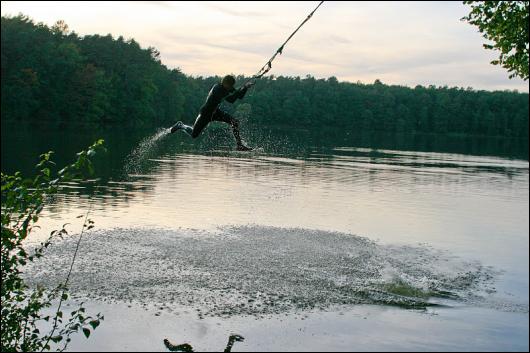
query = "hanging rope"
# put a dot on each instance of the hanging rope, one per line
(268, 65)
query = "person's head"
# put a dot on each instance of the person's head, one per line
(228, 82)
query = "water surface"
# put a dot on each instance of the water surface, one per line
(318, 231)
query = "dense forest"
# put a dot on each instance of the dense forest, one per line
(53, 75)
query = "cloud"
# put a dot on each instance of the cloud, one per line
(163, 4)
(232, 11)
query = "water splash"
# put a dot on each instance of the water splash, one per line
(256, 270)
(139, 157)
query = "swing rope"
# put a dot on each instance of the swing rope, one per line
(268, 65)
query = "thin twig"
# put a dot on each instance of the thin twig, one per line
(67, 279)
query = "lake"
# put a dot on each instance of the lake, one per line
(317, 240)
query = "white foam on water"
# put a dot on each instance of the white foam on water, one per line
(257, 270)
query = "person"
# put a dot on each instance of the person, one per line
(210, 111)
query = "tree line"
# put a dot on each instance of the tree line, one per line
(53, 75)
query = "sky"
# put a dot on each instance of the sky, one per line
(403, 43)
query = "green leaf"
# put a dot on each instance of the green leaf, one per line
(57, 339)
(94, 323)
(86, 332)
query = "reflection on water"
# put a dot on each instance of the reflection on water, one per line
(305, 222)
(476, 208)
(22, 143)
(199, 173)
(345, 189)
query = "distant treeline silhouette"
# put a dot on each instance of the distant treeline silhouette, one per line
(51, 74)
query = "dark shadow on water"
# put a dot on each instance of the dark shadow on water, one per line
(132, 165)
(185, 347)
(23, 142)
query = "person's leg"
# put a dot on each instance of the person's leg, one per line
(220, 115)
(193, 131)
(199, 125)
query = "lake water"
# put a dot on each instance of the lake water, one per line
(308, 243)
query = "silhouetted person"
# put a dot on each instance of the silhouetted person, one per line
(177, 348)
(188, 348)
(210, 110)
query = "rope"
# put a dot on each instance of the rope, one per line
(268, 65)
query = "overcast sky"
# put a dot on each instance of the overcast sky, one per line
(405, 43)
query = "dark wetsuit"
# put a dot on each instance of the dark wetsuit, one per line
(210, 110)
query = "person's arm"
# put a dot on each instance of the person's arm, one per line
(240, 93)
(237, 94)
